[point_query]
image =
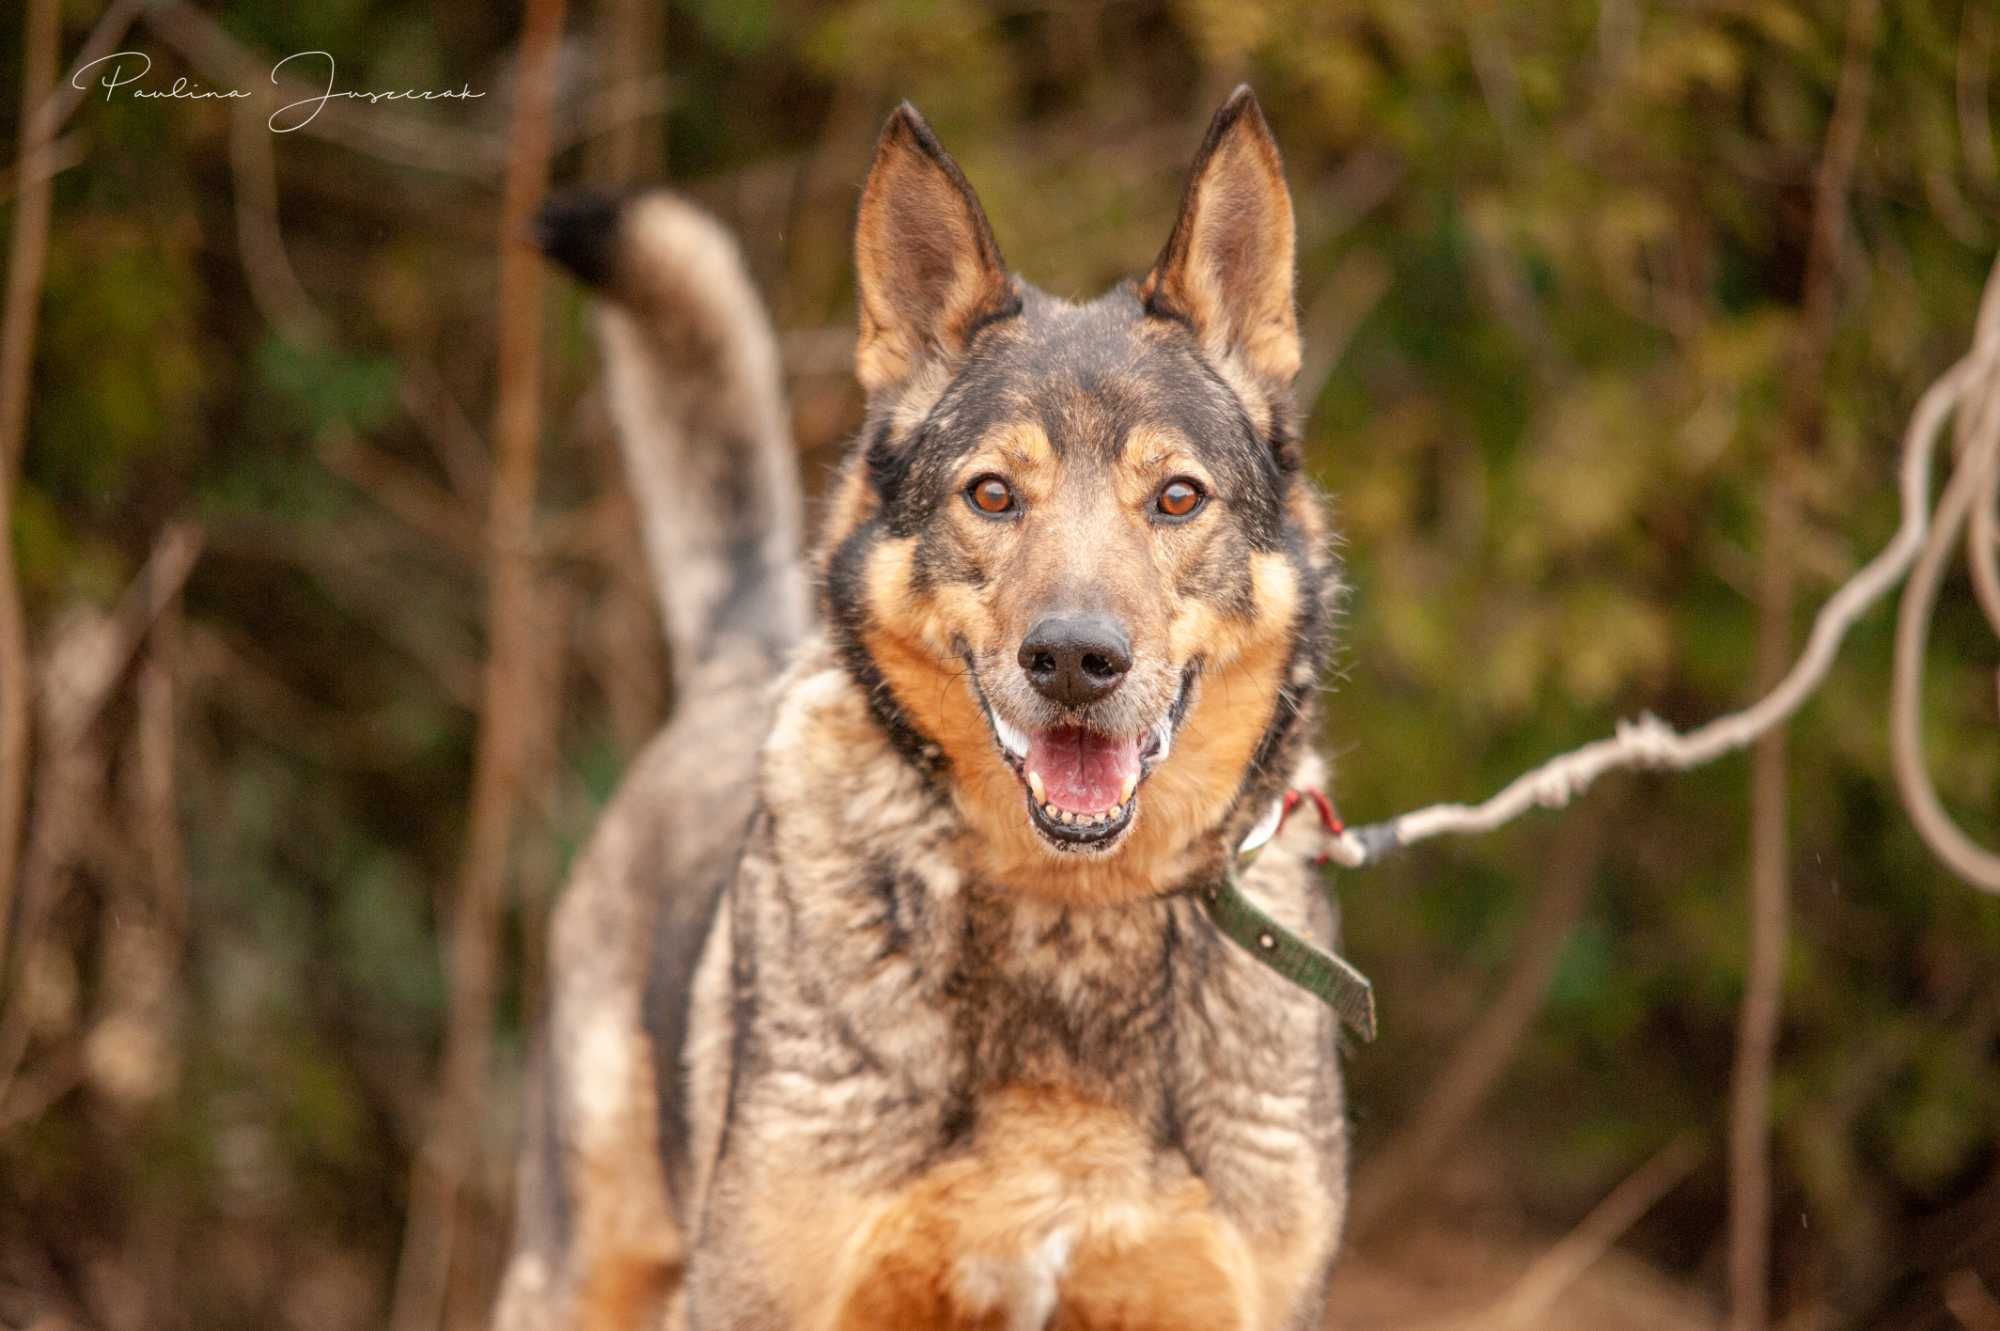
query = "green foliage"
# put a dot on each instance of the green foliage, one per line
(321, 390)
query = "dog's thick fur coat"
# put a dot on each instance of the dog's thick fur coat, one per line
(851, 1027)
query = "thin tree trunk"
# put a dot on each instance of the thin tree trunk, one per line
(1762, 1011)
(451, 1151)
(1763, 993)
(27, 256)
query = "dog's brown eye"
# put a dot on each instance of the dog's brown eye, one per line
(989, 494)
(1178, 498)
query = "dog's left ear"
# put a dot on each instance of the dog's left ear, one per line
(1227, 268)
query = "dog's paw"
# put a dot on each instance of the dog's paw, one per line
(1019, 1291)
(929, 1272)
(1192, 1273)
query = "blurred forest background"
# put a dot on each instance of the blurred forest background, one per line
(336, 635)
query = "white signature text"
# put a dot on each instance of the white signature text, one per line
(310, 69)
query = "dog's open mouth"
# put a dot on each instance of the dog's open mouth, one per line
(1083, 784)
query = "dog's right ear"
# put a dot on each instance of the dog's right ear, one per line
(930, 274)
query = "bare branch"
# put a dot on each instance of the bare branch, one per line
(1968, 1300)
(404, 491)
(86, 663)
(630, 39)
(260, 237)
(53, 111)
(56, 158)
(452, 435)
(1528, 1303)
(112, 25)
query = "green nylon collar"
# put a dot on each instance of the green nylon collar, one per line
(1325, 975)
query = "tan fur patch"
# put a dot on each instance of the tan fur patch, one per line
(1061, 1208)
(1020, 451)
(1153, 455)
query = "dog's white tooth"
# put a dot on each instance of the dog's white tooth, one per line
(1036, 788)
(1069, 818)
(1125, 791)
(1052, 811)
(1011, 739)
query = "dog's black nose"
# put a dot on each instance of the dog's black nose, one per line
(1076, 659)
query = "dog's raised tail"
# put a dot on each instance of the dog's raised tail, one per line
(693, 381)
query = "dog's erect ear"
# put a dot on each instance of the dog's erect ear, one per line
(1227, 267)
(929, 272)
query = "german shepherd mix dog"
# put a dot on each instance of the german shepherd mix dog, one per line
(881, 996)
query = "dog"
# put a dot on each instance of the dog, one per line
(883, 996)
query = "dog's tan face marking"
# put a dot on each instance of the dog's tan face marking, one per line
(1073, 558)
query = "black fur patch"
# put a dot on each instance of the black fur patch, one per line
(742, 987)
(887, 462)
(1312, 633)
(845, 594)
(686, 919)
(579, 230)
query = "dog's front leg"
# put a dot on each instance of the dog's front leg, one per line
(949, 1254)
(1176, 1266)
(956, 1252)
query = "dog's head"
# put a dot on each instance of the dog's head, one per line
(1073, 557)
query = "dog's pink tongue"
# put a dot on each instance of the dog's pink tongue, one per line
(1081, 770)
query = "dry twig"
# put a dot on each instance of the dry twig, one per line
(1968, 1300)
(112, 25)
(260, 237)
(405, 492)
(86, 664)
(1528, 1303)
(452, 436)
(57, 155)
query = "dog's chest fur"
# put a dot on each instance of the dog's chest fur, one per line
(878, 995)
